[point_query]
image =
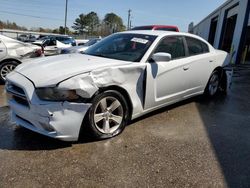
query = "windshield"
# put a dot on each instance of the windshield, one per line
(91, 42)
(122, 46)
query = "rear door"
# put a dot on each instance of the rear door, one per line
(3, 50)
(199, 65)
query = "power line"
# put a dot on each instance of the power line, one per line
(39, 17)
(32, 16)
(10, 8)
(33, 5)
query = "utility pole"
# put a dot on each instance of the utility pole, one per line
(129, 17)
(65, 21)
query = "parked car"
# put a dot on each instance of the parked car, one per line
(65, 40)
(26, 38)
(80, 49)
(123, 77)
(157, 27)
(51, 46)
(73, 49)
(13, 52)
(81, 42)
(62, 39)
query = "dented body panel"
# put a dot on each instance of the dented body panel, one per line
(47, 118)
(13, 49)
(149, 85)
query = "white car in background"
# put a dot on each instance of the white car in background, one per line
(81, 42)
(51, 46)
(13, 52)
(123, 77)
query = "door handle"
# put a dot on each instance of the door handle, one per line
(211, 61)
(185, 68)
(1, 50)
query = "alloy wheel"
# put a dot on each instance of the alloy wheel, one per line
(213, 84)
(108, 115)
(6, 69)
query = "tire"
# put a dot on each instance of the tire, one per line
(108, 115)
(7, 67)
(213, 84)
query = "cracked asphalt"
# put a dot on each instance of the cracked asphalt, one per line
(195, 143)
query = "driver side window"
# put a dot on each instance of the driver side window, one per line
(173, 45)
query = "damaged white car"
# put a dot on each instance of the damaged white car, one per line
(124, 76)
(14, 52)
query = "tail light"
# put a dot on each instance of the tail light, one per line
(39, 52)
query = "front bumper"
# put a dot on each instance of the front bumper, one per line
(60, 120)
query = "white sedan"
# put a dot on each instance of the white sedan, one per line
(123, 77)
(14, 52)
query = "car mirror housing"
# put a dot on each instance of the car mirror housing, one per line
(161, 56)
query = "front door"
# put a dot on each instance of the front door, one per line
(166, 80)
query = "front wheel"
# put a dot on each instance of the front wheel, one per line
(108, 114)
(213, 84)
(6, 68)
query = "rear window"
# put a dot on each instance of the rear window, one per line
(196, 47)
(166, 29)
(162, 28)
(143, 28)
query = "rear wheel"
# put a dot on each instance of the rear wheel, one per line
(213, 84)
(6, 68)
(108, 114)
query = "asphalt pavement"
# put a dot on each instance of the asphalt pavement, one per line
(195, 143)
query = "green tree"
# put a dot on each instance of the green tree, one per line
(11, 25)
(1, 24)
(55, 31)
(61, 30)
(114, 22)
(86, 23)
(92, 22)
(80, 24)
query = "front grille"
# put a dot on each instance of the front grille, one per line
(17, 94)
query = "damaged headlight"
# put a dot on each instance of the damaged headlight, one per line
(55, 94)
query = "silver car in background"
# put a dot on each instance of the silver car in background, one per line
(82, 48)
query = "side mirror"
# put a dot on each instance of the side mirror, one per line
(161, 56)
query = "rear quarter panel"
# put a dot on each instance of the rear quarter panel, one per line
(222, 58)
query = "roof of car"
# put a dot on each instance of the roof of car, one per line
(157, 32)
(161, 33)
(162, 26)
(157, 27)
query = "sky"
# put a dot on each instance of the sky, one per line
(50, 13)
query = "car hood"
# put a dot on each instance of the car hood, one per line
(49, 71)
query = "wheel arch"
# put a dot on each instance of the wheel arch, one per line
(223, 77)
(84, 130)
(10, 59)
(219, 69)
